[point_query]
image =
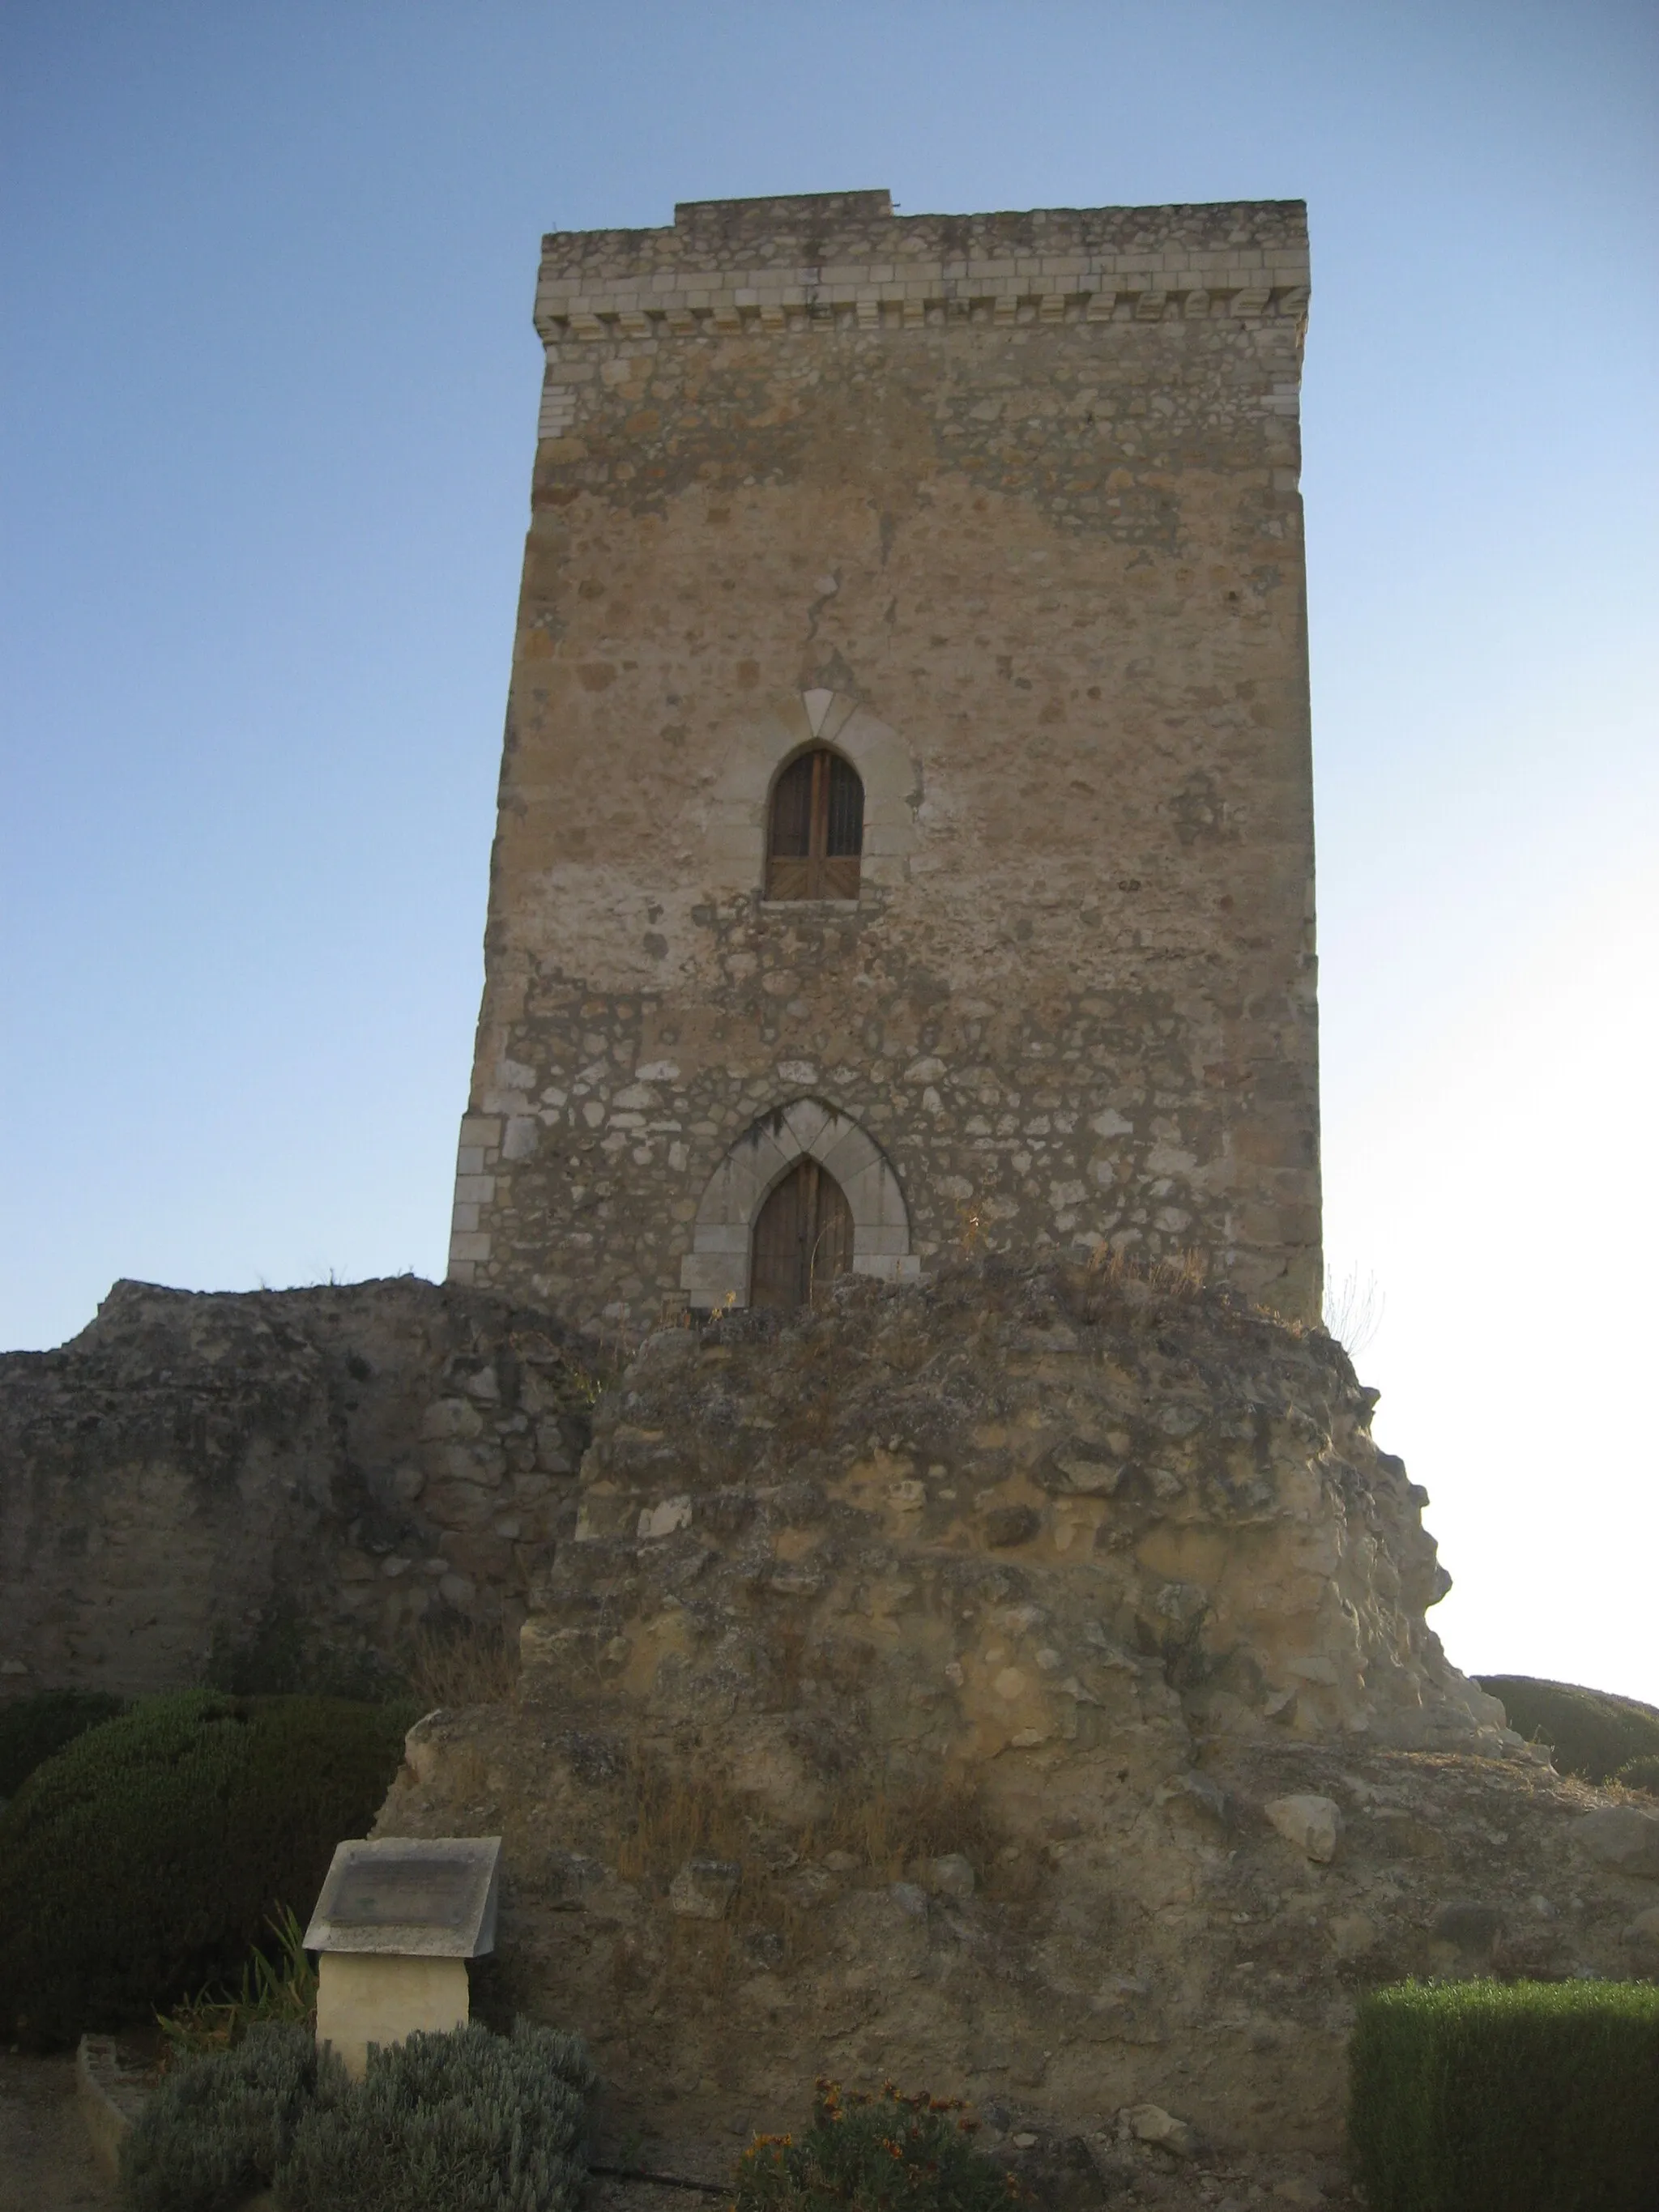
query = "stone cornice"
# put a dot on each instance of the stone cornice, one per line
(841, 261)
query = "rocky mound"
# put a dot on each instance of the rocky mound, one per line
(1018, 1685)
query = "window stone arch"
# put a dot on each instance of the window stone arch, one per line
(734, 839)
(715, 1270)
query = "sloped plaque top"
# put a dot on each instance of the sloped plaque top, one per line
(415, 1896)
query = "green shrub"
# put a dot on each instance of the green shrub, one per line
(146, 1858)
(879, 2153)
(217, 2126)
(465, 2122)
(1641, 1773)
(1591, 1732)
(33, 1728)
(1516, 2097)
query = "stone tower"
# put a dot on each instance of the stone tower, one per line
(905, 832)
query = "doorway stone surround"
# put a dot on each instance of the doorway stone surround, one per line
(715, 1270)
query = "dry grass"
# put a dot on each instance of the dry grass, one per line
(985, 1287)
(675, 1821)
(461, 1665)
(1113, 1282)
(1352, 1311)
(883, 1830)
(889, 1832)
(887, 1835)
(1128, 1287)
(1177, 1275)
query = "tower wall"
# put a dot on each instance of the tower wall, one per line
(1005, 508)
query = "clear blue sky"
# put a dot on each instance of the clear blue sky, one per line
(270, 394)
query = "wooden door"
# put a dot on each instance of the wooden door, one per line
(803, 1239)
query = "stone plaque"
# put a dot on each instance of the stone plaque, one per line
(431, 1897)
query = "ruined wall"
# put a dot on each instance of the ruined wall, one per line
(1019, 1685)
(1039, 1508)
(1005, 508)
(301, 1476)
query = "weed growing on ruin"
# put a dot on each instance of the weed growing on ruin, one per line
(675, 1820)
(1113, 1270)
(889, 1832)
(1352, 1310)
(283, 1657)
(281, 1991)
(1181, 1273)
(878, 2153)
(604, 1357)
(870, 1834)
(970, 1230)
(883, 1830)
(460, 1664)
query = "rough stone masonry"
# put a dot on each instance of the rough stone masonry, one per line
(1018, 1684)
(1001, 512)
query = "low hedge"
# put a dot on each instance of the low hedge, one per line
(31, 1729)
(1507, 2096)
(464, 2122)
(1592, 1732)
(147, 1858)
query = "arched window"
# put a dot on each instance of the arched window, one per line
(817, 829)
(803, 1239)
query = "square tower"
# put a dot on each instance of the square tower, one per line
(905, 834)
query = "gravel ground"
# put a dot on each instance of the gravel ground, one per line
(46, 2162)
(1133, 2178)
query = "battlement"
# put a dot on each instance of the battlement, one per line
(823, 257)
(764, 218)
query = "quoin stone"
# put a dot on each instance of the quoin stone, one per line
(905, 829)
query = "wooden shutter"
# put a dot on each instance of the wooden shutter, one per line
(817, 830)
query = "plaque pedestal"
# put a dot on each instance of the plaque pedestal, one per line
(367, 1996)
(396, 1923)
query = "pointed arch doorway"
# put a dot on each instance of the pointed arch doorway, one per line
(803, 1239)
(719, 1269)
